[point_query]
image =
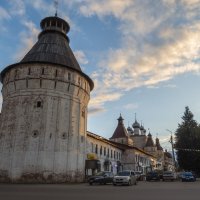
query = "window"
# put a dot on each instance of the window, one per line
(101, 150)
(108, 153)
(39, 104)
(53, 23)
(69, 77)
(83, 112)
(79, 80)
(96, 149)
(104, 151)
(82, 139)
(92, 146)
(16, 72)
(59, 24)
(114, 154)
(111, 153)
(35, 133)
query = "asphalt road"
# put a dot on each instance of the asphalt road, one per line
(144, 190)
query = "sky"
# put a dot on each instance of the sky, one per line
(143, 56)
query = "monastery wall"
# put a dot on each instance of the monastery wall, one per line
(43, 124)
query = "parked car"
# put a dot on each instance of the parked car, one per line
(138, 175)
(153, 176)
(101, 178)
(188, 176)
(168, 175)
(127, 177)
(179, 175)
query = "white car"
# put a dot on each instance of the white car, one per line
(127, 177)
(168, 175)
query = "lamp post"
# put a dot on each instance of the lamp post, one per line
(172, 143)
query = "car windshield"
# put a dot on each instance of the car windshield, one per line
(188, 174)
(100, 174)
(124, 173)
(152, 173)
(167, 173)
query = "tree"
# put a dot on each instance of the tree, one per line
(188, 137)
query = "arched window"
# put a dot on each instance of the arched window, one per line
(38, 103)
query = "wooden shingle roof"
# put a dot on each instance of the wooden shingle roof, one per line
(120, 131)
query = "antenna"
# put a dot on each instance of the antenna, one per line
(56, 7)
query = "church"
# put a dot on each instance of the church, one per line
(43, 121)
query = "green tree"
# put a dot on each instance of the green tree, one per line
(188, 137)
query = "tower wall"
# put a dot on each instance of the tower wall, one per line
(43, 124)
(139, 140)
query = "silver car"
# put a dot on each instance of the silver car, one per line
(127, 177)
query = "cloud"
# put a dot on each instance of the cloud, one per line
(81, 57)
(170, 86)
(4, 14)
(27, 39)
(92, 111)
(105, 7)
(17, 7)
(158, 42)
(131, 106)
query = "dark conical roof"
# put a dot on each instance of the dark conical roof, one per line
(52, 47)
(149, 142)
(158, 145)
(120, 131)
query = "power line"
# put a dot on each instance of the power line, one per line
(197, 150)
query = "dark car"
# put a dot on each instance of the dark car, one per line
(153, 176)
(138, 175)
(188, 176)
(101, 178)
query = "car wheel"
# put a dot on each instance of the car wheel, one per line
(163, 180)
(90, 183)
(114, 184)
(135, 183)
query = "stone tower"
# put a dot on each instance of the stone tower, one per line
(120, 134)
(44, 112)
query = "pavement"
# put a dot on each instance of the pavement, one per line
(144, 190)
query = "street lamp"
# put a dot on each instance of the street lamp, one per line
(172, 143)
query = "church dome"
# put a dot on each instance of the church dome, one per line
(136, 124)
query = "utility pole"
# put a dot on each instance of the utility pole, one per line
(172, 143)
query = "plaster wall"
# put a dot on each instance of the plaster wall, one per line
(43, 124)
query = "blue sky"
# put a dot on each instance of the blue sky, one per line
(142, 55)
